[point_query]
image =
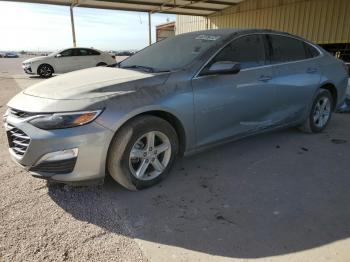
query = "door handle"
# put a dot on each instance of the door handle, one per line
(264, 78)
(311, 70)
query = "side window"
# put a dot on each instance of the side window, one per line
(247, 50)
(311, 51)
(70, 52)
(286, 49)
(83, 52)
(66, 53)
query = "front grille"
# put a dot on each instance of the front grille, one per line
(55, 167)
(18, 140)
(19, 113)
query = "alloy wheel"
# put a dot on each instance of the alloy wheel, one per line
(45, 70)
(322, 112)
(150, 155)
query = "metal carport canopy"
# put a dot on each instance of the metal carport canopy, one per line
(183, 7)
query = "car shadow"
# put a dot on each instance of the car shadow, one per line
(268, 195)
(40, 77)
(36, 77)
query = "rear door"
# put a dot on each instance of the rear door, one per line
(235, 104)
(89, 57)
(296, 74)
(68, 61)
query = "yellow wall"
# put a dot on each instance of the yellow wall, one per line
(321, 21)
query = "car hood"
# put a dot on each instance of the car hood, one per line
(91, 83)
(34, 59)
(84, 89)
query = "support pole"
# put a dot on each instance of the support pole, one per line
(72, 24)
(149, 29)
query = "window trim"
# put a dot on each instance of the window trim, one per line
(321, 54)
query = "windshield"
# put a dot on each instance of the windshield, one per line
(171, 53)
(55, 53)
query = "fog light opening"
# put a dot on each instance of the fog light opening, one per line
(59, 155)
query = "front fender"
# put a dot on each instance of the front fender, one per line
(116, 120)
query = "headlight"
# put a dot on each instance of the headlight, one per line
(64, 120)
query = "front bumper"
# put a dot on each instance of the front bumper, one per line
(91, 140)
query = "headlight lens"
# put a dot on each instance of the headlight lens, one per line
(64, 120)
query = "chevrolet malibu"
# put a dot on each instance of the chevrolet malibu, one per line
(176, 97)
(66, 60)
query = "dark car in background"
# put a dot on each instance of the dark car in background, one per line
(125, 53)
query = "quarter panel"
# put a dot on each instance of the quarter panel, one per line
(296, 83)
(334, 73)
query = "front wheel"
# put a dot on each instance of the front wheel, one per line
(45, 70)
(320, 114)
(142, 152)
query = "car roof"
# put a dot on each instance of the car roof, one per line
(231, 31)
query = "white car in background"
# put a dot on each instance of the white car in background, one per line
(66, 60)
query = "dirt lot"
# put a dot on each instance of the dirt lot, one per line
(280, 196)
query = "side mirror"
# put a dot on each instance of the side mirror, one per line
(58, 56)
(223, 68)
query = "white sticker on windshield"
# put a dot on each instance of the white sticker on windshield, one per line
(208, 37)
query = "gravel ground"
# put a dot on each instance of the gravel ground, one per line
(35, 228)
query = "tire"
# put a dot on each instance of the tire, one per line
(45, 70)
(132, 148)
(101, 64)
(320, 113)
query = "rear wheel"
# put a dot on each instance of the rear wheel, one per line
(320, 114)
(45, 70)
(142, 152)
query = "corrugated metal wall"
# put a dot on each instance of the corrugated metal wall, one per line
(321, 21)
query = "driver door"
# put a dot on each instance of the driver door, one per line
(228, 105)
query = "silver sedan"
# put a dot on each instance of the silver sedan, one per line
(176, 97)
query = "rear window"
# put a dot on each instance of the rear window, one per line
(92, 52)
(85, 52)
(311, 51)
(286, 49)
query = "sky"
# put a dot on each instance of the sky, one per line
(38, 27)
